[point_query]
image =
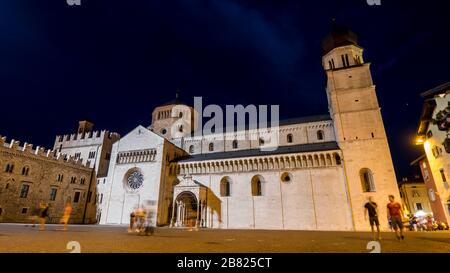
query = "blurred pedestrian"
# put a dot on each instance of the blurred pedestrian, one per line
(132, 220)
(66, 215)
(43, 214)
(394, 213)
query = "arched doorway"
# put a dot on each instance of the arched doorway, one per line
(186, 211)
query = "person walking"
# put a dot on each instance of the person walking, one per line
(43, 215)
(132, 220)
(394, 213)
(371, 208)
(66, 215)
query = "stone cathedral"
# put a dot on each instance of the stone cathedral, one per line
(319, 177)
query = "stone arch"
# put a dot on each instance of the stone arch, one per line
(225, 186)
(257, 185)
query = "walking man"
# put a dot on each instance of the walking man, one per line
(394, 213)
(43, 215)
(371, 208)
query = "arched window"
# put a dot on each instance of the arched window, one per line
(191, 149)
(257, 185)
(286, 177)
(337, 159)
(290, 138)
(225, 187)
(211, 147)
(261, 141)
(180, 128)
(9, 168)
(25, 170)
(235, 144)
(180, 115)
(367, 181)
(320, 135)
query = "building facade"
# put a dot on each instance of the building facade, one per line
(433, 134)
(29, 176)
(414, 194)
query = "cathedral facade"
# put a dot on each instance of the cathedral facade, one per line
(319, 177)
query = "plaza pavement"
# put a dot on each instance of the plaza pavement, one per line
(104, 239)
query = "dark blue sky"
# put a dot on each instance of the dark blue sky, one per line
(114, 61)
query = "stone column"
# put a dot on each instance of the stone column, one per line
(197, 221)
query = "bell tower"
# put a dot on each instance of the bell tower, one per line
(358, 125)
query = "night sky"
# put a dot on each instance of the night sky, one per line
(113, 61)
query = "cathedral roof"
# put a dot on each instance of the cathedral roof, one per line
(300, 148)
(436, 91)
(175, 101)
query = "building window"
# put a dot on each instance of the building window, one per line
(444, 179)
(7, 186)
(437, 151)
(180, 128)
(24, 191)
(59, 178)
(53, 194)
(9, 168)
(1, 211)
(25, 171)
(191, 149)
(419, 206)
(337, 158)
(76, 197)
(225, 187)
(320, 135)
(107, 156)
(431, 195)
(82, 181)
(163, 131)
(346, 60)
(101, 198)
(261, 141)
(91, 154)
(235, 144)
(211, 147)
(415, 193)
(290, 138)
(24, 210)
(256, 186)
(77, 155)
(286, 177)
(73, 180)
(367, 182)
